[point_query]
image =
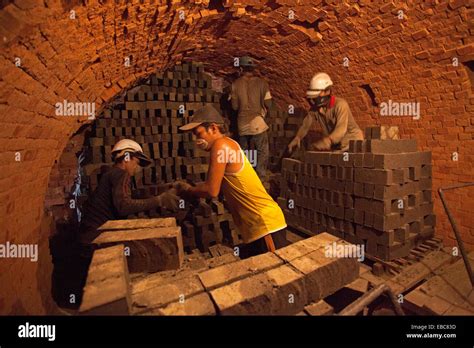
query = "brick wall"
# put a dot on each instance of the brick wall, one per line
(50, 54)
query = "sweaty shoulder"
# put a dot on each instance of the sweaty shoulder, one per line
(226, 143)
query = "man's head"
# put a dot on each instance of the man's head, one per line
(128, 155)
(246, 65)
(207, 133)
(207, 125)
(129, 163)
(319, 91)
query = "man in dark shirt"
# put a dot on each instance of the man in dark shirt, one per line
(112, 199)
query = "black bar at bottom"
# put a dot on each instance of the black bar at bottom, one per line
(451, 331)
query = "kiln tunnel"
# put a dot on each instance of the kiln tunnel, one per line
(150, 113)
(140, 70)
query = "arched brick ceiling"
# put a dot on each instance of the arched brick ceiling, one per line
(405, 56)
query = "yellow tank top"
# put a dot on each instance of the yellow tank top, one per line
(255, 213)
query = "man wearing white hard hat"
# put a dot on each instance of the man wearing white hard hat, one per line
(331, 113)
(112, 199)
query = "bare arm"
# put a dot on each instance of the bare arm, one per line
(212, 186)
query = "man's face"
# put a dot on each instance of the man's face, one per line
(313, 100)
(131, 165)
(209, 135)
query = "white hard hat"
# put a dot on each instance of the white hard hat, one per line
(318, 83)
(127, 145)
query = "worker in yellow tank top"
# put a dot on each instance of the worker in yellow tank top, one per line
(258, 217)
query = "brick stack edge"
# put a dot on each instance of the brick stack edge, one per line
(378, 194)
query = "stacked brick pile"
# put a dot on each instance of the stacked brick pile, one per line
(377, 194)
(151, 115)
(152, 244)
(281, 283)
(107, 289)
(282, 128)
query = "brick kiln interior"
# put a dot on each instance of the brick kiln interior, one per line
(139, 61)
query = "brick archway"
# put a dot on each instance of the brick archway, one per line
(60, 50)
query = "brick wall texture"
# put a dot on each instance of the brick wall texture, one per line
(89, 51)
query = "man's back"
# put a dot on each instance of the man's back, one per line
(248, 96)
(99, 207)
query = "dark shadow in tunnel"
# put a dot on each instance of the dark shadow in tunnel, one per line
(69, 265)
(69, 268)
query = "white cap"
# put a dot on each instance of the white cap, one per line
(128, 145)
(318, 83)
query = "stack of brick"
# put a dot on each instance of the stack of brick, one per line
(377, 194)
(210, 224)
(282, 128)
(151, 115)
(107, 290)
(279, 283)
(152, 245)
